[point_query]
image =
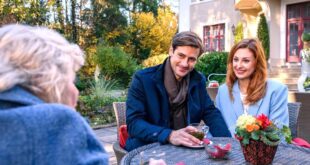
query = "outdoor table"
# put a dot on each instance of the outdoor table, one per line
(286, 154)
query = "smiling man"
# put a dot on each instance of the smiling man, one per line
(163, 100)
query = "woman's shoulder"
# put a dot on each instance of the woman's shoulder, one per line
(275, 85)
(48, 114)
(223, 88)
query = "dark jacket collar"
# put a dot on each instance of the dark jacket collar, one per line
(17, 96)
(195, 77)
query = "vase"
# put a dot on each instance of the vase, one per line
(258, 153)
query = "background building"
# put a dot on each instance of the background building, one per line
(213, 20)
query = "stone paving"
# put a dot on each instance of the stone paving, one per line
(107, 136)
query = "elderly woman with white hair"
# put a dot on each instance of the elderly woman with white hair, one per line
(38, 123)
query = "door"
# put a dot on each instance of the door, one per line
(298, 22)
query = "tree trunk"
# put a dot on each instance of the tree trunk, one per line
(73, 18)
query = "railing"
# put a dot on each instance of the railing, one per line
(215, 74)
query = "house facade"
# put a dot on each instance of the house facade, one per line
(215, 20)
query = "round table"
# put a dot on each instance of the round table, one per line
(286, 154)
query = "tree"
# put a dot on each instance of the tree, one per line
(151, 35)
(60, 15)
(73, 21)
(109, 19)
(263, 34)
(145, 6)
(27, 11)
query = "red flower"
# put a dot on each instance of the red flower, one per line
(265, 122)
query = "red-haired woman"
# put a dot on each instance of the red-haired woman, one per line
(247, 90)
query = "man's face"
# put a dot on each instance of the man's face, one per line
(183, 60)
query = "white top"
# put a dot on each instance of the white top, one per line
(245, 106)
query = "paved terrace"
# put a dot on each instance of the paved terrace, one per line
(107, 136)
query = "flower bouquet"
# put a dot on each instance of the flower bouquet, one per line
(259, 138)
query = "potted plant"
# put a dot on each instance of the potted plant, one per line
(305, 67)
(259, 138)
(306, 40)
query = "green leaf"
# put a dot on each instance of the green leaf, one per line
(269, 142)
(273, 137)
(255, 135)
(245, 141)
(286, 132)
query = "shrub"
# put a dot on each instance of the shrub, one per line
(97, 104)
(155, 60)
(83, 82)
(94, 107)
(239, 32)
(214, 62)
(263, 34)
(115, 64)
(102, 87)
(305, 37)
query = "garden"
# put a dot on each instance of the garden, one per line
(118, 37)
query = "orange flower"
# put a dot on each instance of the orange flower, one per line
(259, 122)
(256, 127)
(252, 127)
(249, 128)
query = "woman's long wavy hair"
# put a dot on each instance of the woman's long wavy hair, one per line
(257, 85)
(38, 59)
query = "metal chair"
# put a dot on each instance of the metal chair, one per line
(120, 114)
(212, 91)
(215, 74)
(293, 110)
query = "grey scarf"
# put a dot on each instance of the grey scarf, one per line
(177, 92)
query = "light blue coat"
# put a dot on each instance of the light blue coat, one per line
(273, 104)
(33, 132)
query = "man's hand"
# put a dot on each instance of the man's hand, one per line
(182, 137)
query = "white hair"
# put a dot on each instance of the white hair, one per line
(38, 59)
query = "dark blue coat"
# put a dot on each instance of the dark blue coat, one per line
(147, 113)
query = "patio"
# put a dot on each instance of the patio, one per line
(107, 136)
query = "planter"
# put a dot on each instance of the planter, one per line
(258, 153)
(305, 68)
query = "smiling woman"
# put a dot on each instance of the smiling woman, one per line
(247, 90)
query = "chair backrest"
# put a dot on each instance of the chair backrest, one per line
(212, 91)
(120, 114)
(293, 110)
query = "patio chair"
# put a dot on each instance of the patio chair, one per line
(212, 91)
(293, 110)
(120, 114)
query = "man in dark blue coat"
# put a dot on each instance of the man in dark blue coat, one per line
(163, 100)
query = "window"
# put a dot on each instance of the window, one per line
(214, 37)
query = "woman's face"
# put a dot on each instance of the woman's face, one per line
(244, 63)
(71, 93)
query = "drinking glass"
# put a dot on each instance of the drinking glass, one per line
(146, 156)
(202, 130)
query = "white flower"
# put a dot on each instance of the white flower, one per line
(305, 53)
(245, 120)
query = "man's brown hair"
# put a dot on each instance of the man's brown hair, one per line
(187, 38)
